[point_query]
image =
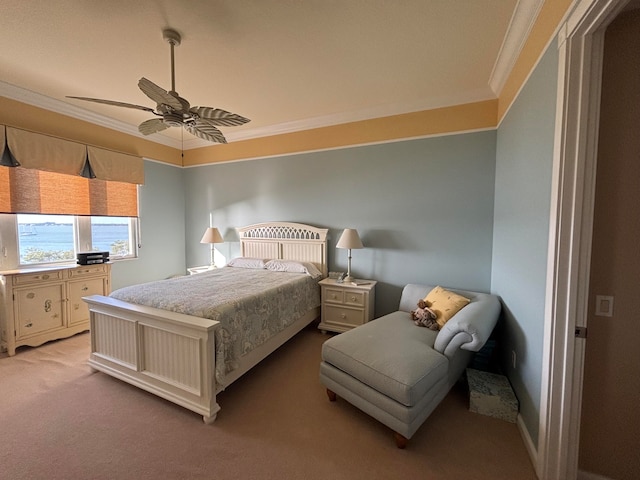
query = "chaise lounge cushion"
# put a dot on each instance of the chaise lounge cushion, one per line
(391, 355)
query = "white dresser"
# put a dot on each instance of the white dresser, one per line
(42, 304)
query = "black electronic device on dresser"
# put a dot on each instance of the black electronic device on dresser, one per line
(91, 258)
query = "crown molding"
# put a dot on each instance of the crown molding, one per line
(524, 16)
(42, 101)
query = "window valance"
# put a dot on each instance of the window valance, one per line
(45, 153)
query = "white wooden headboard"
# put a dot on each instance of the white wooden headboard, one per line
(285, 241)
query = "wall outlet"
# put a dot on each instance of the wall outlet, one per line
(513, 359)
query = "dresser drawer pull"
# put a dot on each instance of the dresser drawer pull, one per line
(343, 316)
(334, 296)
(353, 298)
(85, 288)
(45, 277)
(47, 305)
(29, 325)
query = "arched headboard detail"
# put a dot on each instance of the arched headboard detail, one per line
(285, 241)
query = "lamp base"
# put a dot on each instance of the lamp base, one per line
(349, 279)
(212, 266)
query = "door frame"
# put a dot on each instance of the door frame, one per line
(581, 45)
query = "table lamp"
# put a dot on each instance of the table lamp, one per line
(349, 240)
(212, 235)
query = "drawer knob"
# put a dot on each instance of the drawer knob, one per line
(47, 305)
(353, 298)
(29, 325)
(85, 288)
(343, 316)
(45, 277)
(334, 296)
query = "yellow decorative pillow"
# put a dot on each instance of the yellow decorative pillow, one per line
(445, 304)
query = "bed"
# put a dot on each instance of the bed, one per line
(187, 351)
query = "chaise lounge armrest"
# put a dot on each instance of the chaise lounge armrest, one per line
(469, 329)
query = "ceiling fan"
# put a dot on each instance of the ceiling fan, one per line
(175, 111)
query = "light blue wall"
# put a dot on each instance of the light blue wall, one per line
(521, 230)
(423, 208)
(162, 211)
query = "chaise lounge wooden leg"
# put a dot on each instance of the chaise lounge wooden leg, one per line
(401, 441)
(331, 395)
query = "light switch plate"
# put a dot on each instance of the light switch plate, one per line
(604, 306)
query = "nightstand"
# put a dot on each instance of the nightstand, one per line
(346, 305)
(194, 270)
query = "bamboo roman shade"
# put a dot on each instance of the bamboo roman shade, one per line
(43, 174)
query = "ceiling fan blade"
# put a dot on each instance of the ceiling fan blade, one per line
(152, 126)
(158, 95)
(115, 104)
(219, 117)
(205, 131)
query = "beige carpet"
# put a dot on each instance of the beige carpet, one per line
(59, 420)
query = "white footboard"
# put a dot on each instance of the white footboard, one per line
(168, 354)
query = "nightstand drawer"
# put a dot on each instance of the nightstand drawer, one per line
(355, 299)
(343, 316)
(333, 295)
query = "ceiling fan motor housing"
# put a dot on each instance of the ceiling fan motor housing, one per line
(173, 119)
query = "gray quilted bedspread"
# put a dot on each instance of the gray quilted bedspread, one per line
(251, 305)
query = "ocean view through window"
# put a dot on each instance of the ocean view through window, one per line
(57, 238)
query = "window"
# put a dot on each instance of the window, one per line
(60, 197)
(41, 239)
(45, 238)
(113, 234)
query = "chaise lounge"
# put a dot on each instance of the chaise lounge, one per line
(398, 372)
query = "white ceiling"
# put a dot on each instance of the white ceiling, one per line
(285, 64)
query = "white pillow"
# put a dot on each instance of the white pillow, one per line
(293, 266)
(246, 262)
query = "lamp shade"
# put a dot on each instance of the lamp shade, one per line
(212, 235)
(350, 239)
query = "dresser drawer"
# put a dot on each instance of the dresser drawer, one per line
(343, 316)
(37, 277)
(87, 270)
